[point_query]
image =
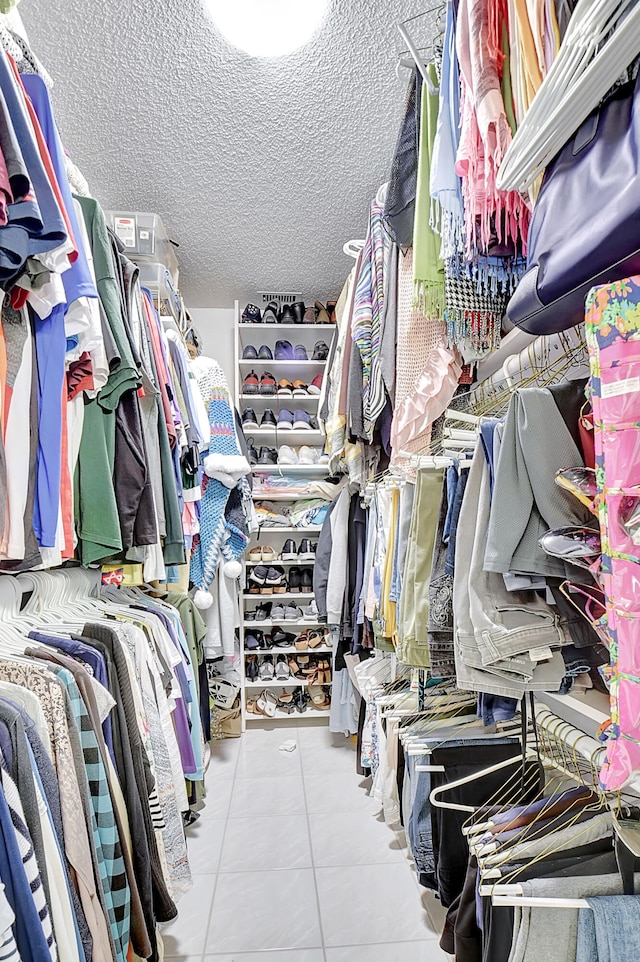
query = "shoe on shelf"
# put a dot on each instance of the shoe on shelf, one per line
(274, 582)
(280, 638)
(287, 315)
(311, 612)
(316, 385)
(252, 452)
(307, 455)
(289, 551)
(267, 703)
(268, 553)
(307, 550)
(268, 419)
(251, 315)
(309, 316)
(285, 703)
(263, 612)
(284, 351)
(321, 313)
(331, 311)
(257, 578)
(282, 668)
(300, 388)
(302, 641)
(252, 640)
(298, 312)
(316, 638)
(294, 580)
(267, 384)
(301, 420)
(300, 353)
(270, 313)
(306, 581)
(267, 668)
(292, 612)
(287, 455)
(318, 698)
(249, 353)
(268, 456)
(300, 699)
(251, 667)
(265, 353)
(251, 384)
(320, 351)
(313, 422)
(255, 553)
(249, 420)
(285, 388)
(278, 613)
(285, 419)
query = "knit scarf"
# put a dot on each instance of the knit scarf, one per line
(428, 269)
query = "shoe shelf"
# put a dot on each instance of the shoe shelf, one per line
(285, 683)
(280, 365)
(291, 650)
(287, 436)
(287, 716)
(283, 624)
(281, 400)
(275, 328)
(279, 595)
(281, 564)
(294, 470)
(280, 438)
(288, 528)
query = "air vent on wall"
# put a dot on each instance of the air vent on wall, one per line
(282, 297)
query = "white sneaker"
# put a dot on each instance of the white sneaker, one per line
(287, 455)
(309, 455)
(310, 613)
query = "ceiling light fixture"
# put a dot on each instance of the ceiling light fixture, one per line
(267, 28)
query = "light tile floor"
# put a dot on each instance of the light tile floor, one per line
(293, 862)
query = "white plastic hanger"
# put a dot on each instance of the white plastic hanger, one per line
(584, 70)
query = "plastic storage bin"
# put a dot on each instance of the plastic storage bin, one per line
(145, 239)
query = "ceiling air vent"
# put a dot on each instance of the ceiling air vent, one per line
(282, 297)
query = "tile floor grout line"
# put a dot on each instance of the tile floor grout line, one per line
(313, 864)
(217, 876)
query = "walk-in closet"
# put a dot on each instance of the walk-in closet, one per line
(320, 481)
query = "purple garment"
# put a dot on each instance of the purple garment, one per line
(51, 347)
(77, 281)
(90, 656)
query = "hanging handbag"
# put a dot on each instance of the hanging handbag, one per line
(585, 228)
(223, 693)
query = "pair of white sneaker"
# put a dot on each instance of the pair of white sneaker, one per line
(304, 455)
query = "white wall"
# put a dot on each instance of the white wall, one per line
(215, 325)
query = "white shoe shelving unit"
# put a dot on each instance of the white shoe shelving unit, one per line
(275, 536)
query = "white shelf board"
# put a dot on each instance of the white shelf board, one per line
(290, 650)
(274, 328)
(293, 470)
(265, 364)
(301, 623)
(269, 496)
(286, 400)
(281, 716)
(287, 528)
(283, 564)
(287, 683)
(290, 436)
(584, 711)
(282, 596)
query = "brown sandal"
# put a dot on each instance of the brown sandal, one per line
(315, 638)
(302, 642)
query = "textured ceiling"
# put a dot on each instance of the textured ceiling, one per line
(261, 169)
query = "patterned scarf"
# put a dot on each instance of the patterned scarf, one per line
(368, 311)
